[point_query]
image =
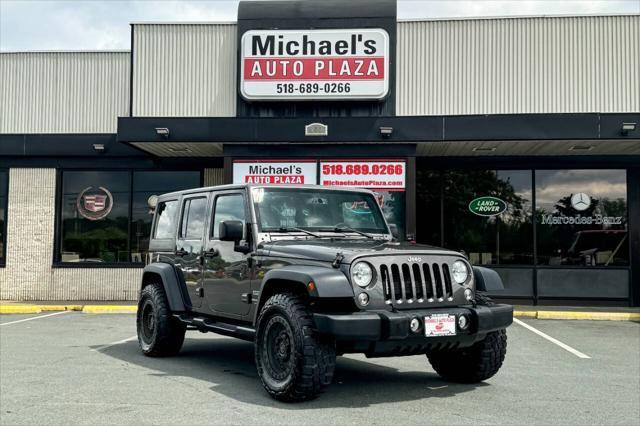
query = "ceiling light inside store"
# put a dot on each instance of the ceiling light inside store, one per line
(173, 149)
(484, 149)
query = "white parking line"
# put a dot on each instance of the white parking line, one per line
(35, 318)
(119, 342)
(552, 340)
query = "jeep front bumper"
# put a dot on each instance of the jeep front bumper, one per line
(365, 328)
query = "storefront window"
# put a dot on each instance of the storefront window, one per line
(487, 214)
(393, 207)
(105, 216)
(146, 184)
(95, 216)
(428, 206)
(581, 217)
(4, 178)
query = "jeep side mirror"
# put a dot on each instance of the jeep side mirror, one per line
(394, 231)
(230, 230)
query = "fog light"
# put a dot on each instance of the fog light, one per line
(415, 325)
(463, 322)
(468, 294)
(363, 298)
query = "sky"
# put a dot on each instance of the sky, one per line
(104, 24)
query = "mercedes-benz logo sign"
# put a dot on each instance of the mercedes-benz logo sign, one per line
(580, 201)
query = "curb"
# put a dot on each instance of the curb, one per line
(19, 309)
(525, 314)
(594, 316)
(110, 309)
(11, 308)
(579, 315)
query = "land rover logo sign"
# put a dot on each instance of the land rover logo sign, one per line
(94, 204)
(487, 206)
(327, 64)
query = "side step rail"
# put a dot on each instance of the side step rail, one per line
(219, 327)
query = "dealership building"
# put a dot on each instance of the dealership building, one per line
(514, 140)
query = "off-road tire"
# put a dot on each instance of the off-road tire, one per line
(476, 363)
(294, 362)
(159, 334)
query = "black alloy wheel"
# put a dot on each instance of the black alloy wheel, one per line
(159, 334)
(294, 362)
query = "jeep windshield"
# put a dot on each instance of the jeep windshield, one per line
(313, 210)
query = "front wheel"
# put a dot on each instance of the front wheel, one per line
(474, 364)
(294, 362)
(158, 333)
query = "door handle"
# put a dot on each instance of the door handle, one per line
(181, 252)
(211, 253)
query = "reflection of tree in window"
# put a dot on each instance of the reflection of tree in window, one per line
(194, 228)
(103, 240)
(505, 238)
(393, 208)
(228, 207)
(595, 236)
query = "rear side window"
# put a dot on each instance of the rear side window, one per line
(166, 219)
(193, 217)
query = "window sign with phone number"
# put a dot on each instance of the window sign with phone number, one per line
(386, 175)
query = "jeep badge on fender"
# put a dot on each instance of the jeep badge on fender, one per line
(308, 273)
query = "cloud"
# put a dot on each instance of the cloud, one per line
(93, 24)
(479, 8)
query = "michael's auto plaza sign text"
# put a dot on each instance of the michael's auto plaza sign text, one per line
(314, 64)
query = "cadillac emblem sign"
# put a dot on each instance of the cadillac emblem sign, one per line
(94, 204)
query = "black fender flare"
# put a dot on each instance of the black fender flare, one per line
(328, 282)
(487, 279)
(174, 288)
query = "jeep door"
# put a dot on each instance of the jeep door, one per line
(189, 244)
(227, 275)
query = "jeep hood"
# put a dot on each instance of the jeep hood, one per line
(325, 250)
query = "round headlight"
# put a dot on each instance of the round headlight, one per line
(459, 272)
(362, 274)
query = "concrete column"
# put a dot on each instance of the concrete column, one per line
(30, 228)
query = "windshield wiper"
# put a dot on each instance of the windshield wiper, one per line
(291, 228)
(350, 229)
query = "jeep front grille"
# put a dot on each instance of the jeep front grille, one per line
(416, 282)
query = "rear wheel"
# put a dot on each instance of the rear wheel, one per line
(294, 362)
(159, 334)
(476, 363)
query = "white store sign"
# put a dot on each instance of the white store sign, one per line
(377, 175)
(275, 172)
(330, 64)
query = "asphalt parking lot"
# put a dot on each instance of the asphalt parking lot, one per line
(75, 368)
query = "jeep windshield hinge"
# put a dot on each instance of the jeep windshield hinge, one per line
(338, 260)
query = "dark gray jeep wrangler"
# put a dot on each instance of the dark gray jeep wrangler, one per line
(308, 273)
